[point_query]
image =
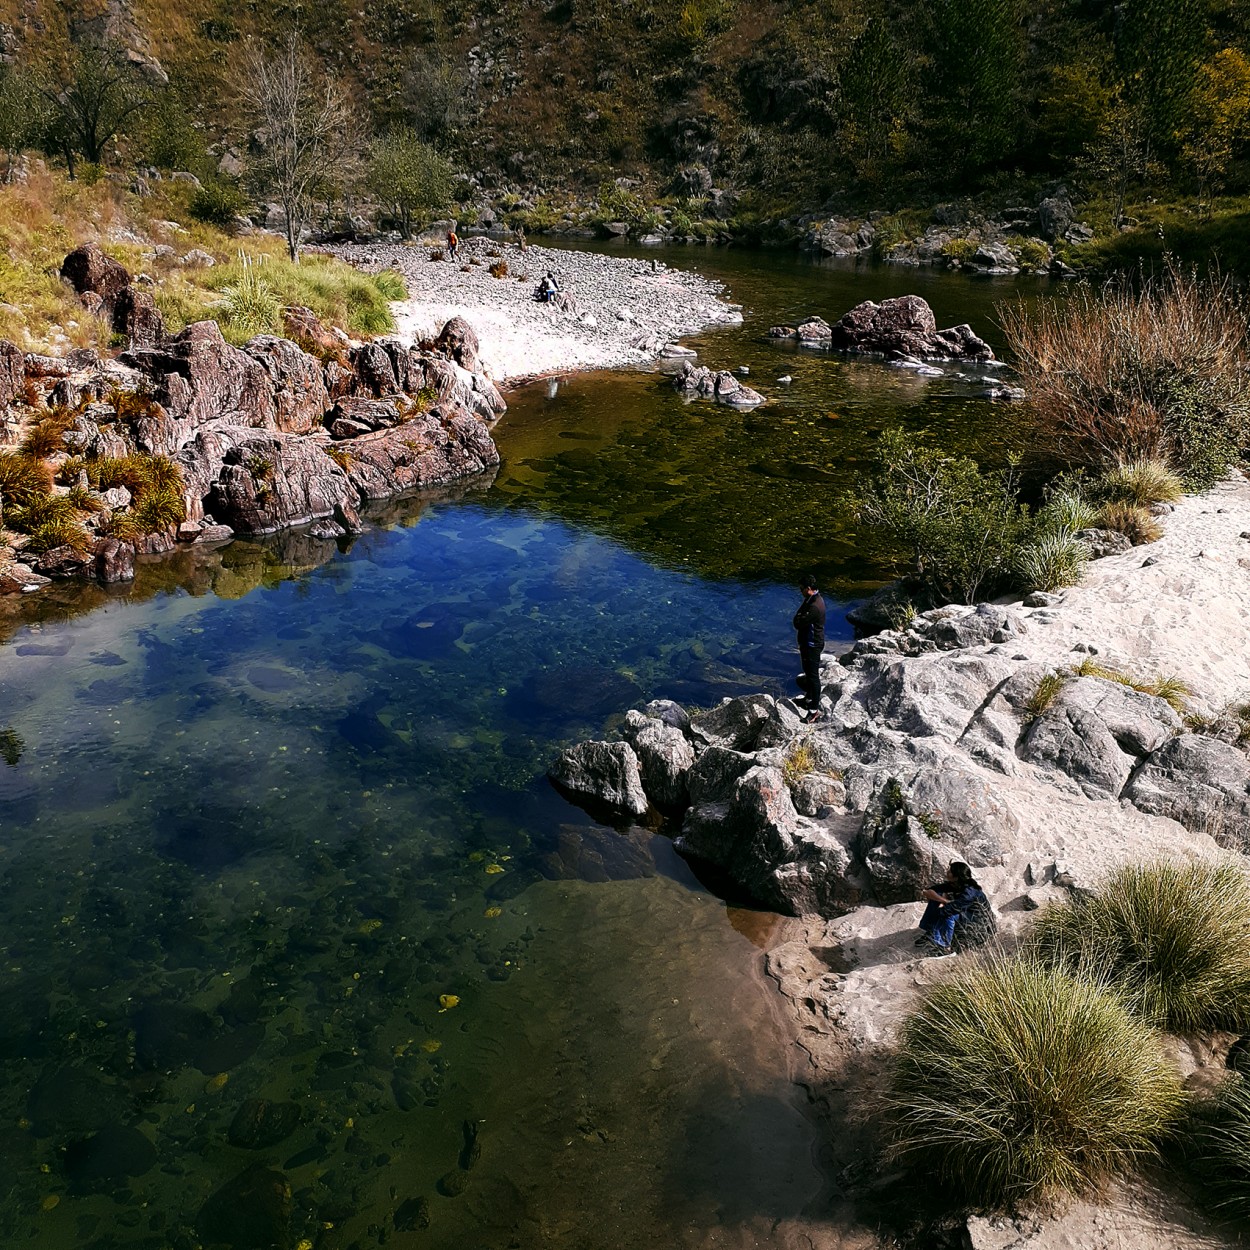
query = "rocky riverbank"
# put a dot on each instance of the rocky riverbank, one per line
(1044, 742)
(189, 439)
(611, 310)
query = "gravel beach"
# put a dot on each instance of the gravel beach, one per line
(622, 311)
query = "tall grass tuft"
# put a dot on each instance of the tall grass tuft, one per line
(1218, 1144)
(1066, 513)
(249, 305)
(1142, 482)
(1171, 940)
(1052, 561)
(1131, 520)
(23, 478)
(1147, 371)
(1015, 1081)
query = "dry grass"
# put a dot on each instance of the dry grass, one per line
(1131, 520)
(1142, 482)
(1126, 373)
(1047, 691)
(1170, 688)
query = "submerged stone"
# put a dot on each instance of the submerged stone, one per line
(250, 1212)
(259, 1123)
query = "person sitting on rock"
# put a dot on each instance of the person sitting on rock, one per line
(548, 289)
(957, 900)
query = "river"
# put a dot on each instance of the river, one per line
(274, 827)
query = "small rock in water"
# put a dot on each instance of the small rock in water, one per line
(743, 371)
(784, 380)
(412, 1215)
(454, 1183)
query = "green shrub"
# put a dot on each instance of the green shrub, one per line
(1033, 254)
(159, 509)
(390, 284)
(1170, 939)
(1142, 482)
(218, 204)
(961, 250)
(1218, 1145)
(249, 304)
(1066, 512)
(1053, 560)
(957, 528)
(1016, 1081)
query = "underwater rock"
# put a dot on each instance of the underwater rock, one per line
(114, 1153)
(259, 1123)
(250, 1212)
(71, 1101)
(412, 1215)
(452, 1184)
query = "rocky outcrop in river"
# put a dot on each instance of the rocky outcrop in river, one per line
(266, 436)
(1008, 736)
(904, 327)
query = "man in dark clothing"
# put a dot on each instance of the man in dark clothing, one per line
(809, 624)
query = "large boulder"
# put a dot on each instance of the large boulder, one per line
(1070, 739)
(698, 381)
(375, 375)
(439, 446)
(665, 757)
(734, 723)
(603, 772)
(458, 340)
(786, 861)
(197, 377)
(137, 318)
(904, 326)
(1202, 783)
(296, 381)
(88, 269)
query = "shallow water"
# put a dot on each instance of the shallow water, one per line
(276, 828)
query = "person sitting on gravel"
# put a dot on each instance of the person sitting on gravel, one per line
(956, 902)
(548, 289)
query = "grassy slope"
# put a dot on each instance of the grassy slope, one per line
(44, 218)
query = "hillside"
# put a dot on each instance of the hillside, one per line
(783, 103)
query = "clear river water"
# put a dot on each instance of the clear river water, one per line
(274, 826)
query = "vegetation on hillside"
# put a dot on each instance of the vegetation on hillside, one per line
(783, 104)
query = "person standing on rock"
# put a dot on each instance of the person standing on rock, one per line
(809, 625)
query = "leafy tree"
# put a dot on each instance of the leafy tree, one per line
(876, 91)
(304, 132)
(1219, 121)
(1159, 46)
(23, 115)
(409, 176)
(1118, 153)
(92, 98)
(979, 52)
(958, 528)
(168, 134)
(436, 96)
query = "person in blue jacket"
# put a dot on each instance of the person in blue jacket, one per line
(957, 900)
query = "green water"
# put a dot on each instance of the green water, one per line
(276, 828)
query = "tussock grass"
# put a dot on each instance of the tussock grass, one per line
(799, 761)
(1052, 561)
(22, 479)
(1171, 940)
(1016, 1081)
(1142, 482)
(1131, 520)
(1047, 691)
(1067, 512)
(1218, 1145)
(1136, 372)
(1169, 688)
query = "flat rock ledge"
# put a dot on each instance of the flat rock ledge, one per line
(934, 747)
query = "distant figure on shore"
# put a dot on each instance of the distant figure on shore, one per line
(809, 625)
(956, 905)
(520, 237)
(548, 289)
(453, 244)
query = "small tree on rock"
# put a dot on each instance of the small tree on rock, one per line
(304, 131)
(410, 177)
